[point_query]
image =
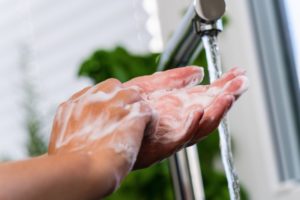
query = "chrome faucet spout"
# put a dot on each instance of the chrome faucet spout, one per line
(212, 28)
(209, 13)
(202, 19)
(210, 10)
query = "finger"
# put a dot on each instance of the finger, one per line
(231, 74)
(56, 127)
(195, 114)
(51, 145)
(59, 125)
(107, 86)
(133, 125)
(237, 86)
(213, 116)
(128, 136)
(198, 89)
(170, 79)
(127, 96)
(117, 97)
(80, 93)
(141, 115)
(54, 136)
(121, 114)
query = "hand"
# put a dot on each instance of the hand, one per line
(183, 113)
(99, 131)
(107, 119)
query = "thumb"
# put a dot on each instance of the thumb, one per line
(131, 131)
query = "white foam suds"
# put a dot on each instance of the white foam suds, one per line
(174, 111)
(94, 126)
(95, 114)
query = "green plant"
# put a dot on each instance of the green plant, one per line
(118, 63)
(4, 158)
(35, 143)
(154, 183)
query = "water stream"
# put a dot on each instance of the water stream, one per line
(214, 67)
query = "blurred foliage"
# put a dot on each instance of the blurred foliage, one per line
(148, 184)
(35, 144)
(117, 63)
(154, 182)
(4, 158)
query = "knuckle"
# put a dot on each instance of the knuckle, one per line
(129, 94)
(80, 93)
(113, 81)
(107, 85)
(62, 105)
(133, 92)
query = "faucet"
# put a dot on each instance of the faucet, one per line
(202, 18)
(210, 10)
(208, 16)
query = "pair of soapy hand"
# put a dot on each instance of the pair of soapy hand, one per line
(147, 118)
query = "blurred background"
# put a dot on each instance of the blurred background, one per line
(49, 50)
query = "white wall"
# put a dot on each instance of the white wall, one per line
(59, 35)
(170, 13)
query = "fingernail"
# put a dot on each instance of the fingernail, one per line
(239, 71)
(244, 85)
(197, 68)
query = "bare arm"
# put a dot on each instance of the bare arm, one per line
(99, 135)
(95, 139)
(67, 177)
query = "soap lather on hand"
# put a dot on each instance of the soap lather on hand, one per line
(183, 111)
(147, 118)
(104, 131)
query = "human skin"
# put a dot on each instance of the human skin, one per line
(103, 132)
(183, 112)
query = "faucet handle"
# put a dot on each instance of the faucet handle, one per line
(210, 10)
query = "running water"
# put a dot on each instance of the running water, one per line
(214, 67)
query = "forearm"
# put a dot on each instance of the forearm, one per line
(69, 176)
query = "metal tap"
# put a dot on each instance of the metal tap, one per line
(202, 18)
(210, 10)
(209, 13)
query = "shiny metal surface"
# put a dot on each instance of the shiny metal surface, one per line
(182, 49)
(208, 28)
(183, 44)
(210, 10)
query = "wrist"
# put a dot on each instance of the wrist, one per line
(112, 163)
(102, 167)
(96, 173)
(106, 169)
